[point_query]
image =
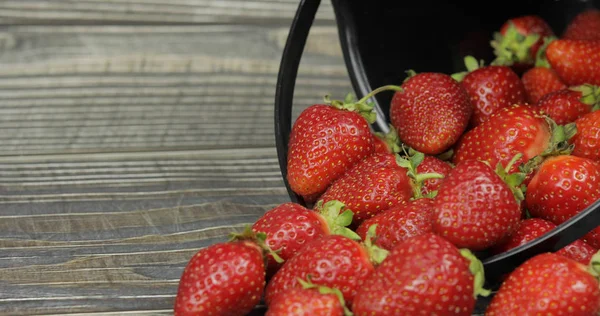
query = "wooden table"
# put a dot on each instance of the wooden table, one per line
(133, 133)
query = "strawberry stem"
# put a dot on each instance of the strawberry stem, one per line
(376, 254)
(337, 217)
(594, 266)
(415, 158)
(390, 139)
(325, 290)
(513, 47)
(258, 238)
(362, 107)
(590, 95)
(476, 268)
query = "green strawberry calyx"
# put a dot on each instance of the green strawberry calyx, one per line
(361, 106)
(410, 162)
(513, 180)
(391, 139)
(337, 217)
(590, 95)
(513, 47)
(476, 268)
(376, 254)
(471, 64)
(558, 144)
(594, 266)
(307, 284)
(540, 57)
(257, 238)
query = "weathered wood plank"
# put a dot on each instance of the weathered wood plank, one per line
(122, 88)
(153, 11)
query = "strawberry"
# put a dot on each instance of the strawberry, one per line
(368, 191)
(326, 140)
(539, 81)
(424, 275)
(227, 278)
(584, 26)
(309, 300)
(334, 261)
(586, 141)
(576, 62)
(566, 105)
(387, 142)
(399, 223)
(432, 164)
(533, 228)
(517, 129)
(490, 88)
(548, 284)
(289, 226)
(430, 112)
(377, 184)
(563, 186)
(518, 41)
(476, 207)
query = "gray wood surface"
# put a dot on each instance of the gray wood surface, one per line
(132, 134)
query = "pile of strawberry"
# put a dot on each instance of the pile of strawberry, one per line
(391, 224)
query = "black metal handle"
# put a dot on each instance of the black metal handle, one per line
(286, 80)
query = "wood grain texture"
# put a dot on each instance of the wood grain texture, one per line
(153, 11)
(134, 133)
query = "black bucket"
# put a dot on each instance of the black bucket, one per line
(382, 39)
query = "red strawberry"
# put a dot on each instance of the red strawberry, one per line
(562, 187)
(490, 88)
(226, 278)
(519, 40)
(533, 228)
(587, 137)
(423, 275)
(576, 62)
(566, 105)
(368, 191)
(539, 81)
(476, 207)
(309, 300)
(289, 226)
(400, 223)
(547, 284)
(387, 142)
(431, 112)
(509, 131)
(429, 165)
(334, 261)
(584, 26)
(326, 140)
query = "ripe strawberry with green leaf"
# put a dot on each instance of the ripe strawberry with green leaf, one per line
(549, 284)
(490, 88)
(309, 300)
(518, 41)
(584, 26)
(227, 278)
(290, 226)
(430, 112)
(334, 261)
(433, 165)
(532, 228)
(586, 141)
(424, 275)
(566, 105)
(517, 129)
(377, 184)
(562, 187)
(576, 62)
(387, 142)
(476, 206)
(326, 140)
(400, 223)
